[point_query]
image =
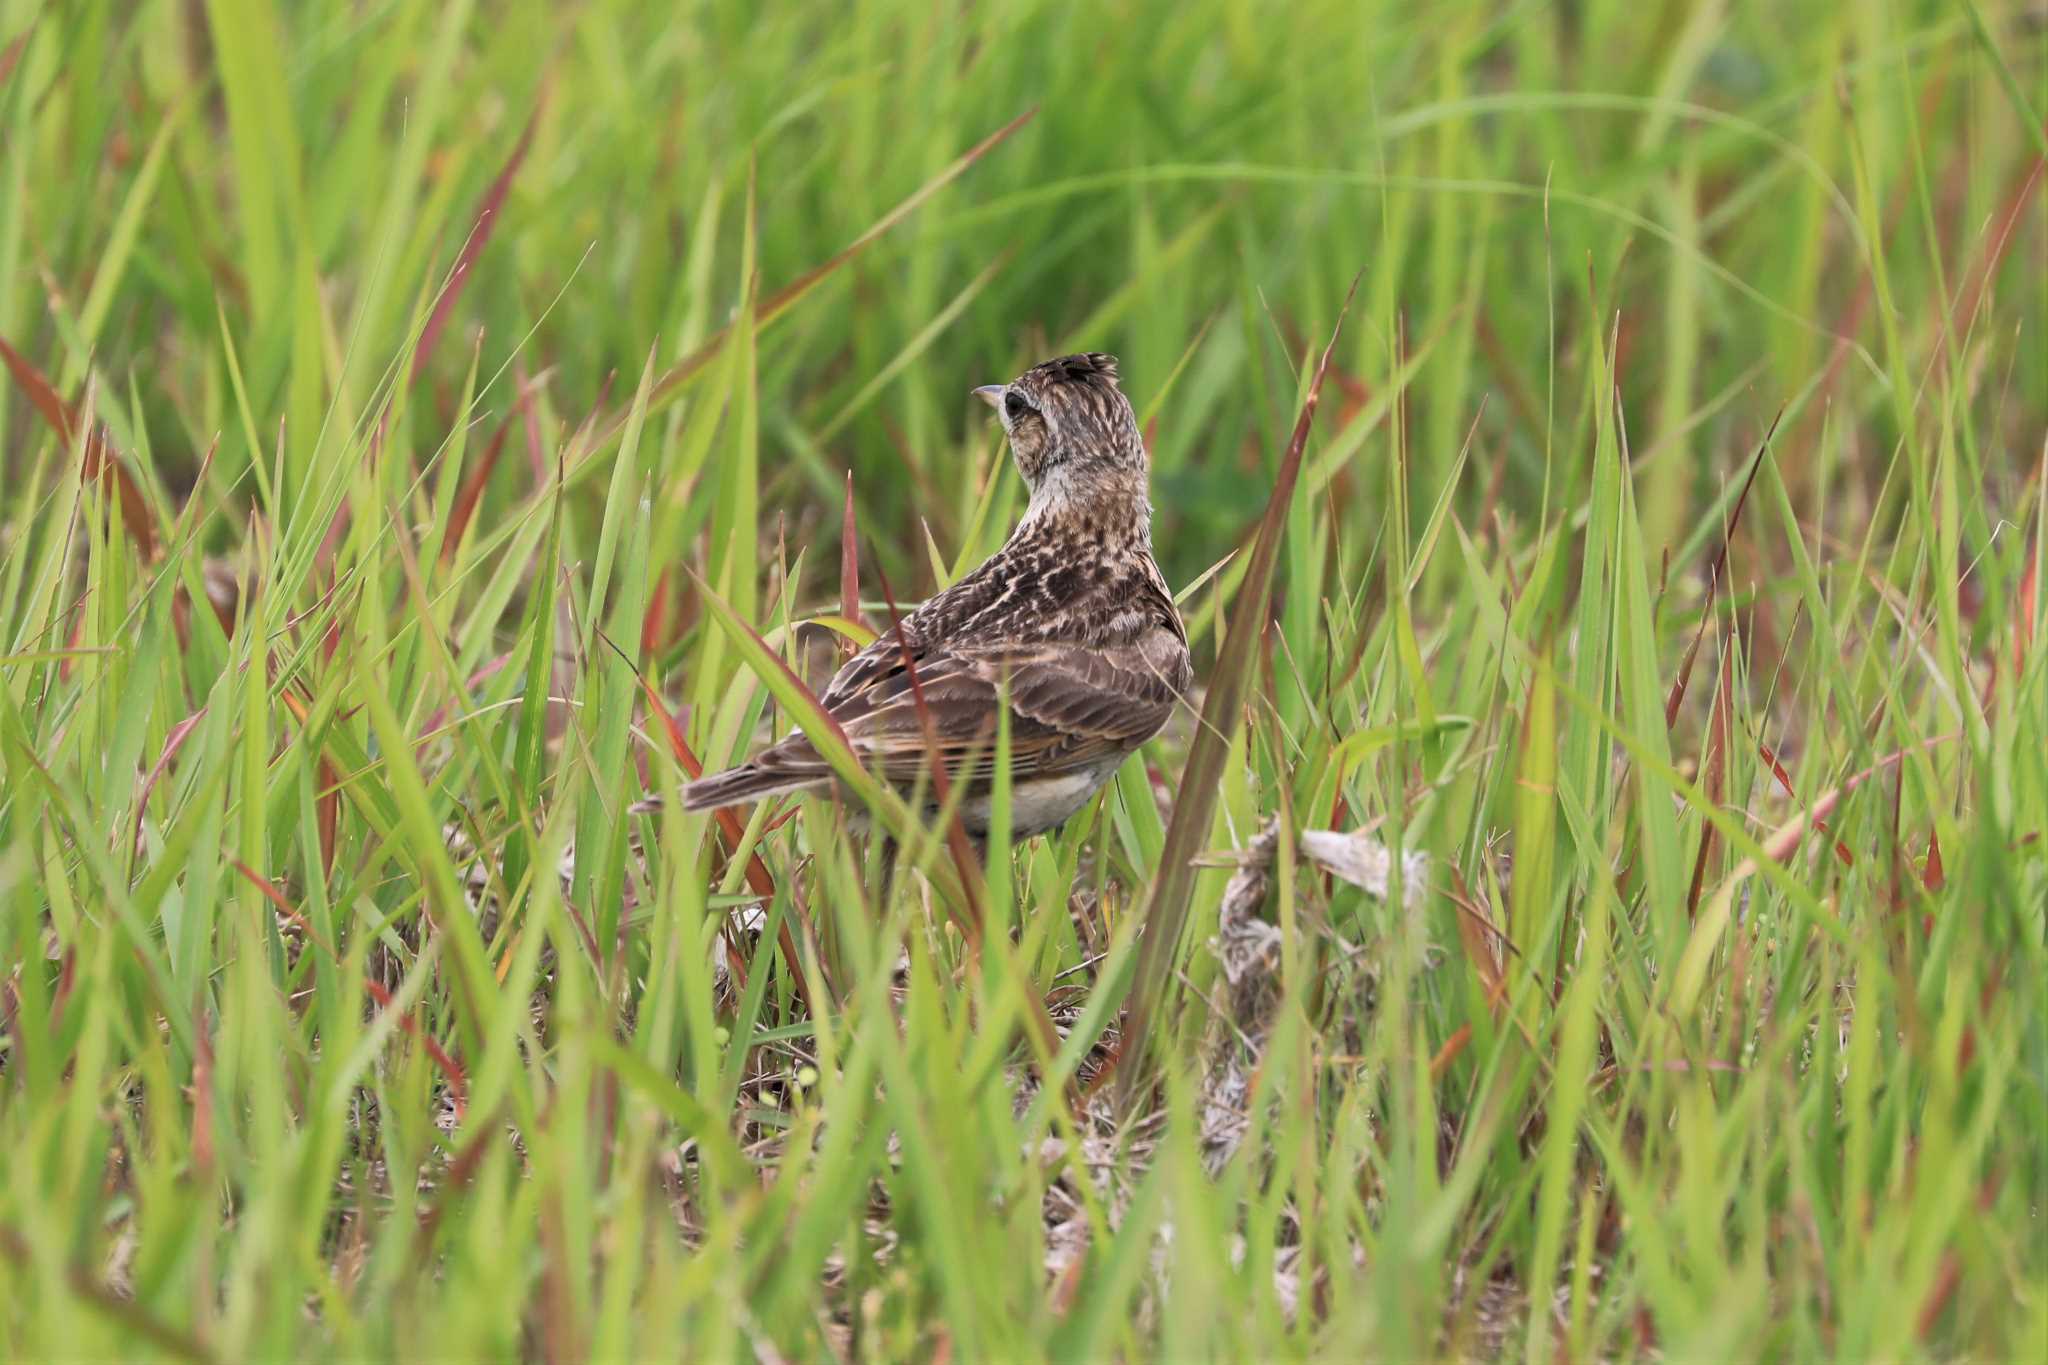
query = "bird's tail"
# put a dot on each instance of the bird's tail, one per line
(748, 782)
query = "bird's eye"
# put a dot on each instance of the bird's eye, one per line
(1014, 405)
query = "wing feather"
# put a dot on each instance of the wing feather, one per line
(1071, 707)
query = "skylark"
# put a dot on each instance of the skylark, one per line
(1071, 620)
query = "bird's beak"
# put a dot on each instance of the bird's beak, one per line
(991, 394)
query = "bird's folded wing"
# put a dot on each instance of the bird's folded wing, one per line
(1071, 707)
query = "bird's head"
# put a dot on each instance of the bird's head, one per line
(1070, 424)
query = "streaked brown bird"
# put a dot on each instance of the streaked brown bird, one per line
(1071, 618)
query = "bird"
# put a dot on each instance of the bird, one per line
(1070, 624)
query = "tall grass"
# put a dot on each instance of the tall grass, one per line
(427, 438)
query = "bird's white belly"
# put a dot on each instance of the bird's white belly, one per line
(1039, 804)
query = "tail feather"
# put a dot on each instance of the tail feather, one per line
(748, 782)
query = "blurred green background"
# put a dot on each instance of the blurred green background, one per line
(1710, 181)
